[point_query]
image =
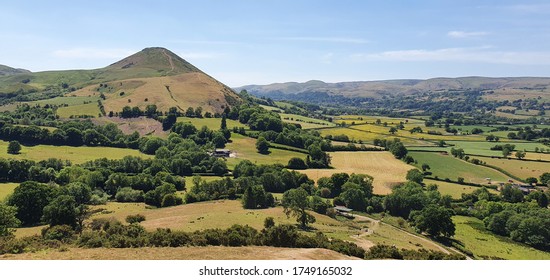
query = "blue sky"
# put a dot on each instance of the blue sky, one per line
(261, 42)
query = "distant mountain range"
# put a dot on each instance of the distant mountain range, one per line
(151, 76)
(378, 89)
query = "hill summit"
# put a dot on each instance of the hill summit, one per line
(8, 71)
(156, 58)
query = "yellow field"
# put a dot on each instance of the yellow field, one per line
(537, 156)
(305, 122)
(383, 166)
(421, 136)
(183, 253)
(519, 168)
(6, 189)
(372, 119)
(74, 154)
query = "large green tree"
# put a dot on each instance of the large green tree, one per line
(30, 198)
(295, 202)
(61, 211)
(14, 147)
(262, 145)
(433, 219)
(8, 219)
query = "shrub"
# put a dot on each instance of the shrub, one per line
(58, 232)
(128, 194)
(137, 218)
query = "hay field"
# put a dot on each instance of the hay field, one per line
(519, 168)
(383, 166)
(305, 122)
(90, 109)
(453, 189)
(368, 137)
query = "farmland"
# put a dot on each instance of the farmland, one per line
(447, 166)
(305, 122)
(453, 189)
(368, 137)
(245, 148)
(74, 154)
(386, 170)
(6, 189)
(212, 123)
(519, 168)
(90, 109)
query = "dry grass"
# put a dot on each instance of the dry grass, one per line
(182, 91)
(519, 168)
(144, 126)
(383, 166)
(183, 253)
(6, 189)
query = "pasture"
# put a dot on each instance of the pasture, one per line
(67, 100)
(212, 123)
(90, 109)
(368, 137)
(447, 166)
(482, 243)
(453, 189)
(483, 148)
(305, 122)
(383, 166)
(519, 168)
(215, 214)
(75, 154)
(245, 148)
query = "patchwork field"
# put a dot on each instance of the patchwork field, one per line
(519, 168)
(484, 148)
(245, 148)
(182, 253)
(74, 154)
(447, 166)
(383, 166)
(472, 233)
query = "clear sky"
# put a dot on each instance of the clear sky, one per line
(260, 42)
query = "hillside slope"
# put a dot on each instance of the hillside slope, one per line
(8, 71)
(151, 76)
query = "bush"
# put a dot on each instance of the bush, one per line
(128, 194)
(137, 218)
(168, 200)
(269, 222)
(58, 232)
(296, 163)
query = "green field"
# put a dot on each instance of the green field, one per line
(6, 189)
(74, 154)
(69, 100)
(271, 108)
(453, 189)
(245, 148)
(212, 123)
(305, 122)
(483, 148)
(482, 243)
(447, 166)
(90, 109)
(421, 136)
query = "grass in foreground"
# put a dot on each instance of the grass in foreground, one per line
(482, 243)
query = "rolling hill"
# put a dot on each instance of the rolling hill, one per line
(8, 71)
(378, 89)
(151, 76)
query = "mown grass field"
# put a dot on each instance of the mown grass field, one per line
(519, 168)
(212, 123)
(453, 189)
(305, 122)
(379, 129)
(74, 154)
(447, 166)
(245, 148)
(6, 189)
(383, 166)
(472, 233)
(359, 119)
(384, 234)
(90, 109)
